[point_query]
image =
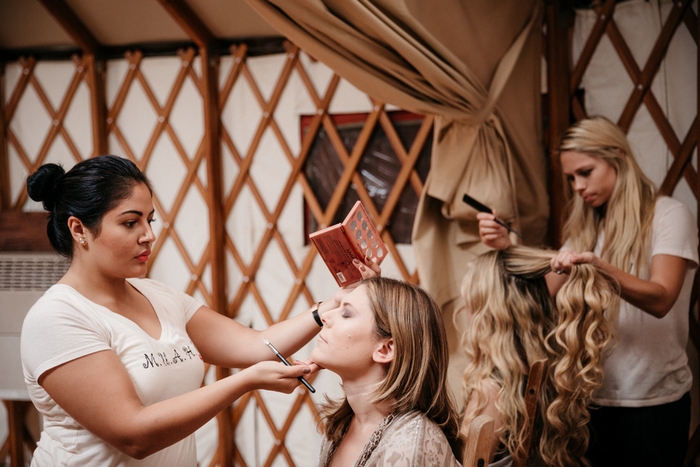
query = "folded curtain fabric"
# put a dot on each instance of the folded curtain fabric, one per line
(473, 64)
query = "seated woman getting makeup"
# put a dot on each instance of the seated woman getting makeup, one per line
(387, 343)
(513, 322)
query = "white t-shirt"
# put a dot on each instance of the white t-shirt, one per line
(648, 364)
(63, 325)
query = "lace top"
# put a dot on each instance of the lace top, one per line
(409, 439)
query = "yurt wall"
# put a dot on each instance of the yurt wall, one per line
(225, 135)
(155, 117)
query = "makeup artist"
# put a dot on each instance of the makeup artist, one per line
(387, 343)
(114, 362)
(647, 244)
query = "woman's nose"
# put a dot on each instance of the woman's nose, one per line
(327, 318)
(149, 236)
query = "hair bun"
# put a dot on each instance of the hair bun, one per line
(42, 184)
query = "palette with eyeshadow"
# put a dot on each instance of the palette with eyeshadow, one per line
(355, 237)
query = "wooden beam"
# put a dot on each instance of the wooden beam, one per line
(694, 442)
(23, 231)
(5, 193)
(189, 22)
(15, 420)
(217, 223)
(214, 163)
(207, 43)
(95, 78)
(604, 16)
(558, 79)
(72, 24)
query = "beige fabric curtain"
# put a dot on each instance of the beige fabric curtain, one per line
(473, 64)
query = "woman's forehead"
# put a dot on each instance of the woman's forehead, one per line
(358, 296)
(573, 160)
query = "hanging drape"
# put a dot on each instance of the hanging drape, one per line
(473, 64)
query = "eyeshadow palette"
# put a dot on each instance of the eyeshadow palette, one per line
(354, 238)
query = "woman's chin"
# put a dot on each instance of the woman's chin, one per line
(317, 357)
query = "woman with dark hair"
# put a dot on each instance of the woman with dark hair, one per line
(115, 362)
(387, 343)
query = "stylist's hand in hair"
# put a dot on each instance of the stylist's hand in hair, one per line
(561, 262)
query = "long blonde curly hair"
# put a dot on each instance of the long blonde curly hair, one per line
(626, 218)
(513, 322)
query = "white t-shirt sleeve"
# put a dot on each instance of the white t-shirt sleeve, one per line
(675, 231)
(59, 329)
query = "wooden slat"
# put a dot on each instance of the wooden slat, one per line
(23, 231)
(653, 62)
(536, 377)
(28, 65)
(57, 117)
(408, 162)
(293, 178)
(134, 61)
(604, 16)
(217, 220)
(15, 419)
(681, 163)
(244, 178)
(24, 159)
(5, 194)
(322, 106)
(691, 21)
(95, 78)
(558, 79)
(350, 162)
(654, 108)
(225, 450)
(23, 83)
(694, 442)
(163, 113)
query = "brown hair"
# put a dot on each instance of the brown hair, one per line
(416, 378)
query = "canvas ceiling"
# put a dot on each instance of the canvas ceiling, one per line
(27, 24)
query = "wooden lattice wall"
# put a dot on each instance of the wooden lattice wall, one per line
(219, 171)
(134, 94)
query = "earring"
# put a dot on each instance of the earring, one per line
(81, 240)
